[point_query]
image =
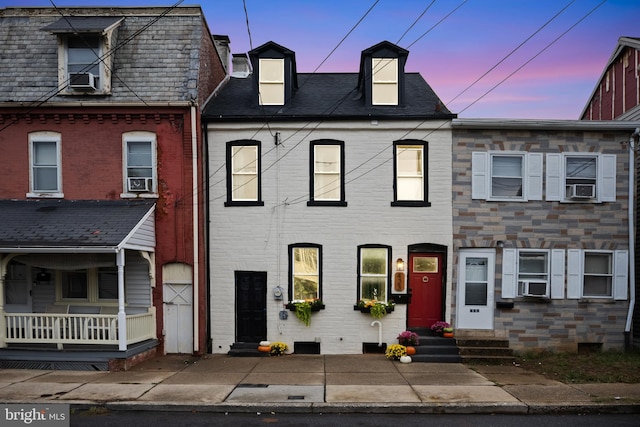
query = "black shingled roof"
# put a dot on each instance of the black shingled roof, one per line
(66, 223)
(325, 96)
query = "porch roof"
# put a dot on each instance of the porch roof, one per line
(76, 226)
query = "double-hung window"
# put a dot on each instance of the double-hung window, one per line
(506, 176)
(305, 271)
(410, 173)
(533, 273)
(597, 274)
(581, 177)
(385, 81)
(46, 174)
(85, 53)
(536, 273)
(373, 272)
(327, 173)
(243, 174)
(140, 162)
(271, 81)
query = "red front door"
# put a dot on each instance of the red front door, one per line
(426, 284)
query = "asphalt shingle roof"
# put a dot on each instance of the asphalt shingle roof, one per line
(67, 223)
(324, 96)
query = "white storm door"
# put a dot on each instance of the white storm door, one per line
(178, 318)
(476, 280)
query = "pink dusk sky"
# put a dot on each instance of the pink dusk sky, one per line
(452, 43)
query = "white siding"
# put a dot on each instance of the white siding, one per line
(255, 238)
(137, 281)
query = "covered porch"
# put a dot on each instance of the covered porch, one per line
(76, 276)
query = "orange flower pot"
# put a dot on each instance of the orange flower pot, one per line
(447, 334)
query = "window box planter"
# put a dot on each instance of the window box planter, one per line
(303, 309)
(380, 309)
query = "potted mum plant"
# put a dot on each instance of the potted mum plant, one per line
(438, 327)
(408, 338)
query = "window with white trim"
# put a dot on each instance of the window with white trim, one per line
(581, 177)
(373, 272)
(385, 81)
(327, 173)
(83, 61)
(597, 274)
(533, 273)
(243, 173)
(46, 169)
(506, 176)
(305, 268)
(271, 82)
(140, 171)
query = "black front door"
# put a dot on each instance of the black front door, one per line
(251, 306)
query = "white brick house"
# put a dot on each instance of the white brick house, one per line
(318, 185)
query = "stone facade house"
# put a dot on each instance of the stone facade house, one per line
(541, 232)
(101, 194)
(329, 188)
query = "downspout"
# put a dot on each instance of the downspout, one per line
(635, 136)
(207, 233)
(196, 241)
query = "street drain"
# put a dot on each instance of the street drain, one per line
(252, 385)
(295, 397)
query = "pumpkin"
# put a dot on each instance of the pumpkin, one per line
(411, 350)
(264, 348)
(405, 359)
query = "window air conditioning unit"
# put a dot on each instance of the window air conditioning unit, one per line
(534, 289)
(583, 191)
(82, 81)
(139, 184)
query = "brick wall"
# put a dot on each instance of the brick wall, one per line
(535, 323)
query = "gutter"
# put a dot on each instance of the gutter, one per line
(529, 124)
(633, 140)
(196, 241)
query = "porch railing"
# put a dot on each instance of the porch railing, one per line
(39, 328)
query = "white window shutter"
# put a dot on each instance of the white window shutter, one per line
(554, 177)
(607, 178)
(534, 176)
(557, 273)
(620, 274)
(479, 175)
(574, 273)
(509, 285)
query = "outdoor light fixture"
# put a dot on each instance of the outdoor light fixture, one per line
(400, 264)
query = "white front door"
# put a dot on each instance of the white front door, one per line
(476, 277)
(178, 318)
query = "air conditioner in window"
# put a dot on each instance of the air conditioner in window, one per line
(532, 288)
(82, 81)
(583, 191)
(139, 184)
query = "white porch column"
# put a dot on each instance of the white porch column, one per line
(122, 316)
(3, 325)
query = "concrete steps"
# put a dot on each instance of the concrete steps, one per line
(485, 350)
(246, 349)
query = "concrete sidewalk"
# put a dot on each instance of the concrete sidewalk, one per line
(315, 383)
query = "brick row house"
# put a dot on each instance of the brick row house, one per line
(331, 188)
(616, 96)
(101, 189)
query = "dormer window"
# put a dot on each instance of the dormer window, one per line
(271, 86)
(85, 58)
(385, 81)
(381, 79)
